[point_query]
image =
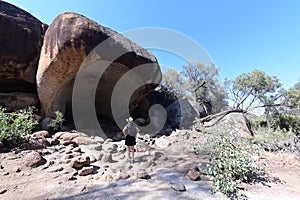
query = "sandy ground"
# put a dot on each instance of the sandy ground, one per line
(166, 167)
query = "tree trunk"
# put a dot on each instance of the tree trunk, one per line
(220, 114)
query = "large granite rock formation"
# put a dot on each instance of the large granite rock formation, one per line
(235, 123)
(68, 41)
(21, 38)
(180, 112)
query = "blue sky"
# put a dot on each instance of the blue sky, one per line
(239, 35)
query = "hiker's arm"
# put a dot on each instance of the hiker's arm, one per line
(124, 131)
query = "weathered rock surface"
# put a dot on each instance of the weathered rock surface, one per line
(180, 112)
(234, 123)
(21, 41)
(68, 41)
(183, 112)
(21, 38)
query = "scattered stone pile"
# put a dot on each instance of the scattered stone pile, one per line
(73, 156)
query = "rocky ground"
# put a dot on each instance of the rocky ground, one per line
(73, 166)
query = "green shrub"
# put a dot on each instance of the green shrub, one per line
(287, 122)
(285, 128)
(266, 135)
(290, 123)
(16, 127)
(233, 160)
(259, 122)
(57, 122)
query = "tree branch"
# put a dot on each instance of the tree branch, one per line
(223, 113)
(238, 105)
(264, 106)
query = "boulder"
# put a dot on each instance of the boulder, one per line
(67, 135)
(193, 175)
(84, 140)
(44, 142)
(34, 159)
(41, 134)
(182, 113)
(162, 142)
(68, 41)
(107, 158)
(86, 171)
(21, 39)
(233, 123)
(80, 162)
(175, 183)
(142, 147)
(113, 149)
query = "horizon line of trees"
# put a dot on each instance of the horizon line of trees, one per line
(248, 91)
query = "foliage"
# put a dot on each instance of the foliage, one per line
(16, 127)
(253, 87)
(57, 122)
(197, 81)
(173, 81)
(233, 160)
(283, 116)
(266, 135)
(290, 123)
(204, 82)
(291, 97)
(286, 126)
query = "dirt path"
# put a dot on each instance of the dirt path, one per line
(285, 171)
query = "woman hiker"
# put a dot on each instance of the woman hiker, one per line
(130, 131)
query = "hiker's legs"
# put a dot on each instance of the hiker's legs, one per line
(132, 149)
(128, 151)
